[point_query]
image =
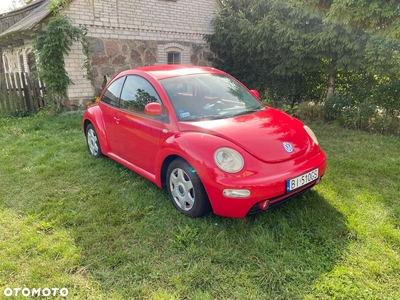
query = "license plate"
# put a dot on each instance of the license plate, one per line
(302, 180)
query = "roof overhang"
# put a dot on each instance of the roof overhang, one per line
(23, 29)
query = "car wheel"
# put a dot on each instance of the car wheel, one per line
(93, 141)
(185, 189)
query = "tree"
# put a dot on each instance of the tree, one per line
(378, 19)
(298, 41)
(373, 16)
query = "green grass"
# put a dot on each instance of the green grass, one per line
(98, 229)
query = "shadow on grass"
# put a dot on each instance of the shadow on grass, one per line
(130, 243)
(137, 245)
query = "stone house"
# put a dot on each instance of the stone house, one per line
(123, 34)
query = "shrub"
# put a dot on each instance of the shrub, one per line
(385, 125)
(310, 111)
(335, 106)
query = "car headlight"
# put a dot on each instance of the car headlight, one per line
(228, 160)
(311, 134)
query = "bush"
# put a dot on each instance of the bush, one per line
(336, 105)
(357, 115)
(385, 125)
(310, 111)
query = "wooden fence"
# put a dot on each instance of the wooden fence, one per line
(20, 94)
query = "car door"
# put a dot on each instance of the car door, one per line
(139, 133)
(109, 104)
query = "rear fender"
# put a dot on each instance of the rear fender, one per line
(94, 116)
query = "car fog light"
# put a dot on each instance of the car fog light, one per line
(231, 193)
(263, 205)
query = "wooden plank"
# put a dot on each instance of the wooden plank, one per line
(3, 95)
(3, 92)
(36, 94)
(7, 99)
(13, 96)
(23, 94)
(20, 92)
(27, 92)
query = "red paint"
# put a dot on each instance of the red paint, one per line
(143, 143)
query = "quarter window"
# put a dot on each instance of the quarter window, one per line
(137, 92)
(111, 95)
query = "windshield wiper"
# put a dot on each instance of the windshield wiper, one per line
(207, 117)
(245, 112)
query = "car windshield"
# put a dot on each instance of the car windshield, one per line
(208, 96)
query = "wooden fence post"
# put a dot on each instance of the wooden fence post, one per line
(22, 93)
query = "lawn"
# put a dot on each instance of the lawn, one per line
(68, 220)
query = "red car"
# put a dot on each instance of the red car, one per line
(206, 138)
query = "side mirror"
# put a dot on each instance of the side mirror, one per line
(256, 94)
(153, 109)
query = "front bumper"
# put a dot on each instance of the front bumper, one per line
(266, 182)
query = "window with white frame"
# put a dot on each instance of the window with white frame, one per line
(173, 58)
(173, 53)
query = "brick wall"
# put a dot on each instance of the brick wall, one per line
(131, 33)
(181, 20)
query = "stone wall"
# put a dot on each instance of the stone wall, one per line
(130, 33)
(110, 57)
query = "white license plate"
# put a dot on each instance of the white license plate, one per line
(302, 180)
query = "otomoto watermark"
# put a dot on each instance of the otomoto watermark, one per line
(36, 292)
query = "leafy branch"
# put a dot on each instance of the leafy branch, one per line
(52, 45)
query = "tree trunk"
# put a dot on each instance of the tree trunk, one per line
(332, 80)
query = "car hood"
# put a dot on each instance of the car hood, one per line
(263, 134)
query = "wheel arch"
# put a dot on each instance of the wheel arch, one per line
(94, 116)
(164, 168)
(85, 125)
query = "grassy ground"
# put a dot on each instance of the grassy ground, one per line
(70, 221)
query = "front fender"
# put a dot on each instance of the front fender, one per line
(198, 150)
(94, 115)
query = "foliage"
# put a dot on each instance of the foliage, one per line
(310, 111)
(386, 94)
(52, 45)
(103, 232)
(385, 125)
(301, 50)
(373, 16)
(335, 105)
(364, 115)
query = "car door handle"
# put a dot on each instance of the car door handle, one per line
(117, 120)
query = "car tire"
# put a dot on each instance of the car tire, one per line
(92, 141)
(186, 190)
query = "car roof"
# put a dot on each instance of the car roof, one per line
(167, 71)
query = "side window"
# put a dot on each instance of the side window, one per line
(111, 95)
(137, 93)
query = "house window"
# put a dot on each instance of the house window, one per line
(173, 58)
(173, 53)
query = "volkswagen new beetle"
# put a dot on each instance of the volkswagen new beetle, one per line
(205, 137)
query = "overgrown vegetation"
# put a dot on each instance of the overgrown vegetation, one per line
(52, 45)
(348, 114)
(326, 52)
(96, 228)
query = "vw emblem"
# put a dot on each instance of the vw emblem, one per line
(288, 147)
